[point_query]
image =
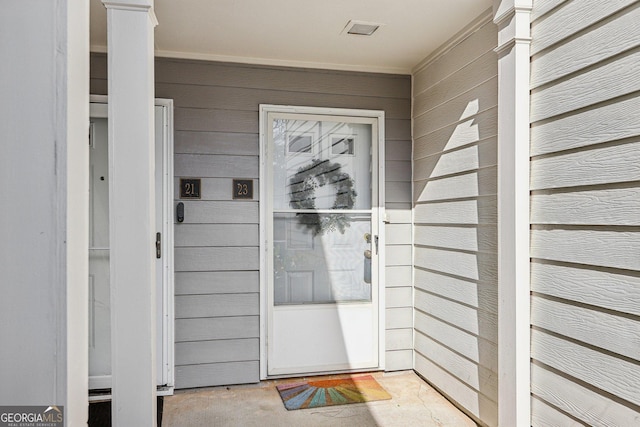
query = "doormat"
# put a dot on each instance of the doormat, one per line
(330, 392)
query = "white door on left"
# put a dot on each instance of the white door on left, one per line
(99, 295)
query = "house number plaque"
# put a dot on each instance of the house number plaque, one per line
(189, 188)
(243, 189)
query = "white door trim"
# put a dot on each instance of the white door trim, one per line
(378, 215)
(166, 382)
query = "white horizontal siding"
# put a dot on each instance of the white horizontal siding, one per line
(481, 237)
(585, 128)
(398, 318)
(398, 234)
(436, 163)
(480, 182)
(398, 255)
(458, 56)
(546, 415)
(469, 130)
(544, 6)
(399, 297)
(479, 350)
(454, 109)
(582, 402)
(585, 49)
(398, 339)
(479, 210)
(473, 403)
(613, 206)
(619, 291)
(570, 19)
(469, 265)
(585, 236)
(477, 377)
(613, 332)
(455, 217)
(469, 77)
(398, 275)
(397, 192)
(601, 83)
(475, 321)
(607, 372)
(607, 164)
(613, 249)
(398, 360)
(473, 293)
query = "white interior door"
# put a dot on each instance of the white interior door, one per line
(99, 295)
(322, 243)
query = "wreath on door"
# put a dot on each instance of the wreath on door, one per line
(302, 188)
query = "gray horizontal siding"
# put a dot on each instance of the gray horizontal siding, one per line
(216, 247)
(585, 182)
(213, 374)
(217, 328)
(455, 230)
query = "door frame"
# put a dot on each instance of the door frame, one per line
(165, 354)
(378, 215)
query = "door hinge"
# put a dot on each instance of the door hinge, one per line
(158, 245)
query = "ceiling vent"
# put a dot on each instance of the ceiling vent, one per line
(361, 28)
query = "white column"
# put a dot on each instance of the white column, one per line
(513, 20)
(44, 188)
(77, 220)
(130, 26)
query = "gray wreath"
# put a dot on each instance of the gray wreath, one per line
(302, 187)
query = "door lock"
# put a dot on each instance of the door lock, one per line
(180, 212)
(158, 245)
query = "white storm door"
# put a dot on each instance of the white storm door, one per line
(99, 293)
(322, 243)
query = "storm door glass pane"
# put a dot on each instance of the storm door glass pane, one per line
(321, 211)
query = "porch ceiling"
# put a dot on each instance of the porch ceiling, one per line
(302, 33)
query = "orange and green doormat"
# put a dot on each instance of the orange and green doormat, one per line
(329, 392)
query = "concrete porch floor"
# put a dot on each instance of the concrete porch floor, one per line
(413, 403)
